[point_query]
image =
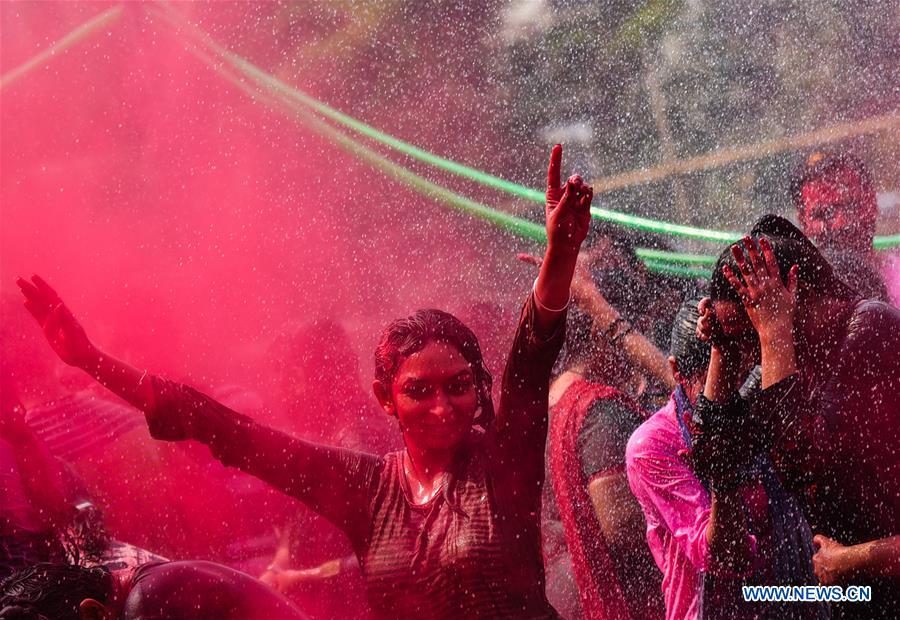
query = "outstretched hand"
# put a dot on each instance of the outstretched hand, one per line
(770, 304)
(62, 330)
(568, 208)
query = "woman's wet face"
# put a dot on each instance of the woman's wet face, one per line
(736, 326)
(435, 397)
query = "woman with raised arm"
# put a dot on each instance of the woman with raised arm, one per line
(450, 526)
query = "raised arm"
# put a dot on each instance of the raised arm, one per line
(41, 475)
(567, 214)
(521, 424)
(332, 481)
(608, 323)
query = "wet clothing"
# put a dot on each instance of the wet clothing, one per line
(676, 504)
(473, 551)
(589, 428)
(837, 434)
(201, 591)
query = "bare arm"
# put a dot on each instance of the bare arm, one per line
(639, 351)
(836, 564)
(332, 481)
(567, 214)
(637, 348)
(618, 513)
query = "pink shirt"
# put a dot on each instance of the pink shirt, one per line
(676, 507)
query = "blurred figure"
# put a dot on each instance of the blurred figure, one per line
(319, 393)
(590, 422)
(828, 410)
(321, 399)
(197, 590)
(34, 504)
(711, 533)
(836, 205)
(644, 300)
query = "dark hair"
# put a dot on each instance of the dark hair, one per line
(691, 354)
(820, 164)
(791, 247)
(403, 337)
(581, 342)
(53, 590)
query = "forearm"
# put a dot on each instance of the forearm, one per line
(647, 357)
(638, 349)
(778, 355)
(43, 480)
(552, 286)
(122, 379)
(723, 378)
(727, 535)
(877, 558)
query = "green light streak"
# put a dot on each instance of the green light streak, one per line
(518, 226)
(657, 260)
(662, 256)
(886, 242)
(94, 24)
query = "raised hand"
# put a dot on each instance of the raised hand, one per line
(769, 303)
(62, 330)
(568, 208)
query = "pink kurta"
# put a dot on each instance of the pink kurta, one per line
(676, 506)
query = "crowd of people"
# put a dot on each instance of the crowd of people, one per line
(653, 447)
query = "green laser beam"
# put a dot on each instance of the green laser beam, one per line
(89, 27)
(454, 167)
(286, 92)
(518, 226)
(658, 260)
(521, 227)
(886, 242)
(624, 219)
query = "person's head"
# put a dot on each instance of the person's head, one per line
(616, 269)
(689, 356)
(835, 199)
(816, 280)
(587, 352)
(58, 592)
(430, 375)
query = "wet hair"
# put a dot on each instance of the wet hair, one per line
(581, 343)
(623, 286)
(404, 337)
(821, 164)
(691, 354)
(791, 247)
(53, 591)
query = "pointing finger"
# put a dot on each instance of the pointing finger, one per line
(553, 169)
